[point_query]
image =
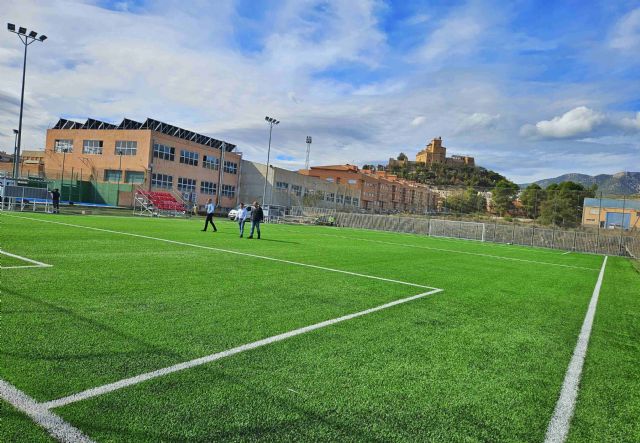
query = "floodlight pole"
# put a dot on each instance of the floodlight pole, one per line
(119, 152)
(306, 163)
(22, 32)
(64, 157)
(271, 121)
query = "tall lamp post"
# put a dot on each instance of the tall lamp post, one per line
(64, 157)
(15, 149)
(272, 122)
(306, 163)
(26, 41)
(119, 153)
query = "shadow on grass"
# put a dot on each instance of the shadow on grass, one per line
(147, 348)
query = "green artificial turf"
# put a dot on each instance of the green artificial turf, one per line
(481, 361)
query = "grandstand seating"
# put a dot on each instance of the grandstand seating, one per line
(160, 202)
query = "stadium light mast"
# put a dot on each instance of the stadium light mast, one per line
(306, 163)
(119, 153)
(15, 145)
(26, 41)
(272, 122)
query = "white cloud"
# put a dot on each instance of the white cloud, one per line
(418, 121)
(579, 121)
(478, 121)
(632, 124)
(626, 33)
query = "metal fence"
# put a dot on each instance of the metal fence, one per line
(597, 242)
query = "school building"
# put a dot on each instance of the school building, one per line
(152, 156)
(611, 213)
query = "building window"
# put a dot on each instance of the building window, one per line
(297, 190)
(208, 188)
(186, 184)
(330, 196)
(112, 175)
(164, 152)
(356, 201)
(92, 147)
(347, 200)
(210, 162)
(228, 191)
(63, 146)
(353, 182)
(188, 157)
(162, 181)
(330, 179)
(134, 177)
(230, 167)
(282, 186)
(124, 147)
(339, 199)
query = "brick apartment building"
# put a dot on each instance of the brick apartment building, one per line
(152, 155)
(378, 191)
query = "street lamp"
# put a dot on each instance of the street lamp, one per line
(26, 41)
(271, 121)
(15, 147)
(119, 153)
(306, 163)
(64, 157)
(223, 148)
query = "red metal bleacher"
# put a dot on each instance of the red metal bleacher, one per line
(164, 201)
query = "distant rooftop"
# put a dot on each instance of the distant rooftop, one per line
(149, 124)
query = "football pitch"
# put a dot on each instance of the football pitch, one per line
(138, 329)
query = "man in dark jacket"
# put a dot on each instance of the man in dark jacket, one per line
(256, 218)
(55, 197)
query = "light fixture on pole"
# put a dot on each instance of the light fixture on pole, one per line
(306, 163)
(26, 41)
(271, 121)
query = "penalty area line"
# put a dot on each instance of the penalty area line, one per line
(558, 428)
(35, 263)
(100, 390)
(52, 423)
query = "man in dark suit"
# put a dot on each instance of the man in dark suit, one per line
(256, 218)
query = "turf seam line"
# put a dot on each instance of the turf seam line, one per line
(558, 428)
(52, 423)
(480, 254)
(246, 254)
(110, 387)
(36, 264)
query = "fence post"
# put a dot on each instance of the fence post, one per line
(599, 222)
(624, 206)
(575, 236)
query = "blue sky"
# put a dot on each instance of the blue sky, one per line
(532, 89)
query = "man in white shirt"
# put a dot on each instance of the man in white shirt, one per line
(210, 207)
(241, 218)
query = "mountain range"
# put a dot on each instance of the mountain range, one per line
(621, 183)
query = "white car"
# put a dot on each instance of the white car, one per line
(234, 213)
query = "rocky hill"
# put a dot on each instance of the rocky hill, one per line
(622, 183)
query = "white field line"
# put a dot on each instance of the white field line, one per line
(55, 426)
(36, 264)
(89, 393)
(558, 428)
(565, 253)
(479, 254)
(228, 251)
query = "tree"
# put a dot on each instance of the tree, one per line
(466, 202)
(531, 198)
(503, 195)
(402, 156)
(563, 206)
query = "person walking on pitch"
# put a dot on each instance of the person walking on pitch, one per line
(210, 208)
(256, 218)
(241, 218)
